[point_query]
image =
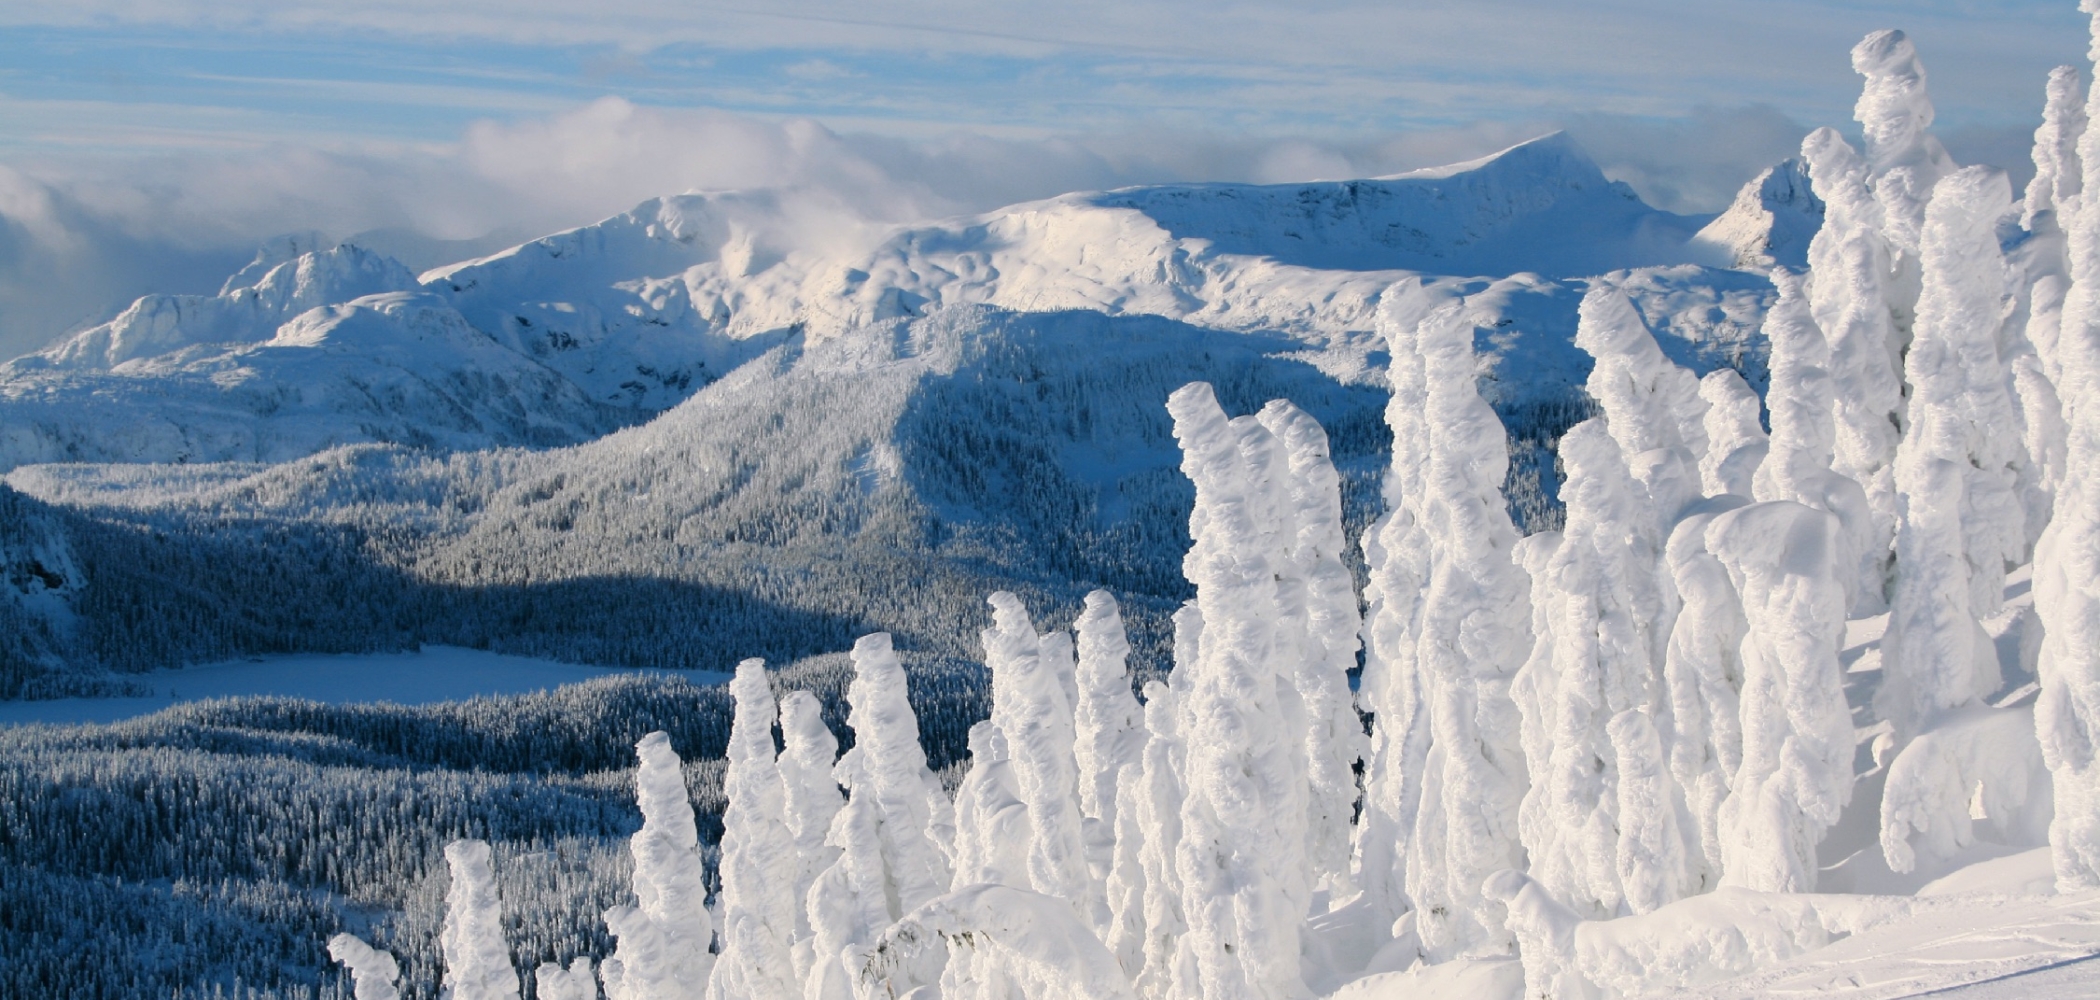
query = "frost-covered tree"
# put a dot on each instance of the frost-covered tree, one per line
(1797, 466)
(1653, 405)
(1736, 442)
(1795, 774)
(2067, 561)
(1850, 263)
(1905, 161)
(812, 799)
(758, 855)
(664, 937)
(477, 961)
(1126, 871)
(1475, 633)
(993, 835)
(577, 982)
(1596, 611)
(1957, 470)
(1030, 708)
(2043, 269)
(1166, 960)
(1240, 872)
(1320, 584)
(911, 808)
(1108, 722)
(1703, 673)
(1397, 556)
(373, 971)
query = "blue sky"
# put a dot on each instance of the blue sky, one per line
(145, 143)
(121, 75)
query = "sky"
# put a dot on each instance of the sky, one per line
(149, 145)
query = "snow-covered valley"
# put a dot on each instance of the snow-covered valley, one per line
(1471, 582)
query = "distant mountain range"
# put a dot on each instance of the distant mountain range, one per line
(970, 405)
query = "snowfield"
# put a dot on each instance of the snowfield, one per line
(431, 674)
(1468, 583)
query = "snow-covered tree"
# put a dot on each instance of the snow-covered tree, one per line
(1397, 557)
(1795, 774)
(1736, 442)
(371, 970)
(2067, 561)
(910, 805)
(1850, 263)
(2043, 271)
(1797, 466)
(1475, 633)
(993, 835)
(577, 982)
(812, 799)
(1166, 959)
(1108, 722)
(1653, 405)
(1595, 615)
(664, 937)
(1126, 871)
(477, 961)
(1240, 874)
(1962, 521)
(758, 855)
(1030, 708)
(1905, 161)
(1703, 673)
(1320, 583)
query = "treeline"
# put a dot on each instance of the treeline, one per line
(217, 845)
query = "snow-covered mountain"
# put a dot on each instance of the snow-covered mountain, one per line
(1771, 221)
(560, 339)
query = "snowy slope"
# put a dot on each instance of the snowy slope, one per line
(235, 385)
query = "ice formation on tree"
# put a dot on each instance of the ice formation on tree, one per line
(758, 855)
(1396, 553)
(1596, 608)
(1653, 406)
(1789, 565)
(1163, 922)
(812, 800)
(664, 936)
(552, 982)
(1850, 261)
(1904, 160)
(372, 970)
(1319, 598)
(1109, 724)
(477, 961)
(1797, 466)
(1030, 709)
(2067, 562)
(1242, 870)
(1472, 634)
(895, 836)
(1957, 471)
(1736, 442)
(2044, 268)
(993, 835)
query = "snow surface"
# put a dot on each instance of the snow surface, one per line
(431, 674)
